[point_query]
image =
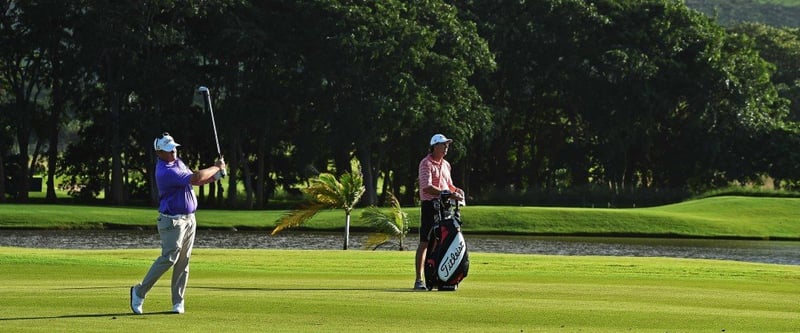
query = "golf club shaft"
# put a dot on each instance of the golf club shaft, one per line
(207, 101)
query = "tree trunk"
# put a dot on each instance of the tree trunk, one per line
(212, 194)
(232, 176)
(246, 178)
(261, 157)
(23, 135)
(2, 177)
(347, 229)
(388, 181)
(37, 152)
(365, 156)
(412, 194)
(220, 195)
(25, 84)
(116, 197)
(53, 132)
(201, 197)
(151, 171)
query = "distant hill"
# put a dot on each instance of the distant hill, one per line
(777, 13)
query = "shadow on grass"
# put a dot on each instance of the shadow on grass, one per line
(127, 314)
(389, 290)
(91, 315)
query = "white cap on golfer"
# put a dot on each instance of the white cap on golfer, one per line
(439, 138)
(165, 142)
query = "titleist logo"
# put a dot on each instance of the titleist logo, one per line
(451, 259)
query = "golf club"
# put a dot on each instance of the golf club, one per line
(207, 102)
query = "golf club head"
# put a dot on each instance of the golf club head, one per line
(198, 98)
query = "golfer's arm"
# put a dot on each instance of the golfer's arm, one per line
(204, 176)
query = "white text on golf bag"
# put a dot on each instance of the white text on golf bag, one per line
(452, 258)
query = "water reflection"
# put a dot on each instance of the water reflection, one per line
(777, 252)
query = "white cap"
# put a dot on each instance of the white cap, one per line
(439, 138)
(165, 142)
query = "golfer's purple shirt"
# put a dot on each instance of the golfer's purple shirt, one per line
(175, 192)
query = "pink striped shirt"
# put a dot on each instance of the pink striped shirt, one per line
(432, 173)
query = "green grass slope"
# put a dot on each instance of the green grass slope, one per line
(724, 217)
(366, 291)
(715, 217)
(778, 13)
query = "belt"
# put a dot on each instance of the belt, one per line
(176, 216)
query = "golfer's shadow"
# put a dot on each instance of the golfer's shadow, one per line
(90, 315)
(268, 289)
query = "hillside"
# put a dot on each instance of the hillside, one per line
(778, 13)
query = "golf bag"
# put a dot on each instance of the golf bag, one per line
(447, 260)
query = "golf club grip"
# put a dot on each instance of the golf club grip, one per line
(223, 171)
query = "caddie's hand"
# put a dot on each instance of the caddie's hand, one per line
(459, 195)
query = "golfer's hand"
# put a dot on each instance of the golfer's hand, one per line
(222, 172)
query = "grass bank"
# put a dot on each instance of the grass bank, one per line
(713, 217)
(359, 291)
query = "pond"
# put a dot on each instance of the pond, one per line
(775, 252)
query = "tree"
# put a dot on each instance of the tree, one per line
(139, 75)
(325, 191)
(608, 93)
(6, 139)
(251, 53)
(780, 47)
(389, 73)
(392, 225)
(543, 96)
(541, 49)
(64, 75)
(23, 65)
(139, 62)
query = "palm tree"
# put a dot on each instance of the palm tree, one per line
(388, 225)
(326, 191)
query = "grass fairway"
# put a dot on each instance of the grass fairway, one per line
(359, 291)
(716, 217)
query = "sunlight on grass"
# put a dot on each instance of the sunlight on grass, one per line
(350, 291)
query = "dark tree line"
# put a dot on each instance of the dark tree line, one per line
(550, 101)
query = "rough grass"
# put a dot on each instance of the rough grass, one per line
(358, 291)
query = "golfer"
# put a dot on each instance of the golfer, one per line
(434, 177)
(176, 222)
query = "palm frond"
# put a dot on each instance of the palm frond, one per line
(325, 189)
(376, 240)
(297, 216)
(400, 217)
(352, 188)
(387, 225)
(379, 220)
